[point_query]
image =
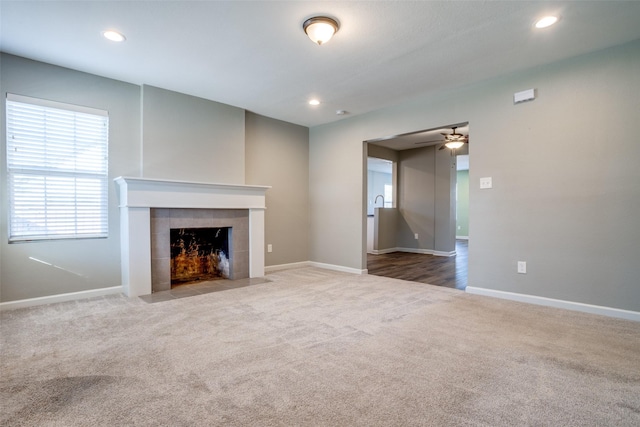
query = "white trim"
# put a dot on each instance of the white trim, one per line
(550, 302)
(462, 237)
(302, 264)
(55, 104)
(337, 268)
(71, 296)
(414, 251)
(272, 268)
(384, 251)
(447, 254)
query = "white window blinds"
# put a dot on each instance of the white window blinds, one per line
(57, 165)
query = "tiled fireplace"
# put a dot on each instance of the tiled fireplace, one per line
(166, 223)
(150, 208)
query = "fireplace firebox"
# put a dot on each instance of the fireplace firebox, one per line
(199, 254)
(197, 245)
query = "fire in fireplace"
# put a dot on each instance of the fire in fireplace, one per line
(199, 254)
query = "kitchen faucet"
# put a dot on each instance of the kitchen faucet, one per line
(376, 200)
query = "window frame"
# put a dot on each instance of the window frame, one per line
(69, 159)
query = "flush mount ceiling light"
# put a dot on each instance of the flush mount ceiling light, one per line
(314, 102)
(547, 21)
(114, 36)
(320, 29)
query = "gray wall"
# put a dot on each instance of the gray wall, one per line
(384, 228)
(426, 199)
(75, 265)
(277, 154)
(416, 201)
(191, 139)
(337, 202)
(462, 204)
(566, 194)
(445, 202)
(382, 152)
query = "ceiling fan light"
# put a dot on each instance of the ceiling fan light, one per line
(320, 29)
(454, 144)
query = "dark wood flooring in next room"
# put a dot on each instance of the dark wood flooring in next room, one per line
(450, 272)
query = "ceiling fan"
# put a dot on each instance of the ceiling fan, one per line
(452, 140)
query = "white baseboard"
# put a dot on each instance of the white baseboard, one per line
(337, 268)
(462, 237)
(550, 302)
(272, 268)
(9, 305)
(447, 254)
(414, 251)
(383, 251)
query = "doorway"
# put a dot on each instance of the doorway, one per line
(430, 233)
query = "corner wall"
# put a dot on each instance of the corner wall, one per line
(277, 154)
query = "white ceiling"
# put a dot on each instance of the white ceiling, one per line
(255, 55)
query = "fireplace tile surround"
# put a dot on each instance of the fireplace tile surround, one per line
(141, 199)
(163, 220)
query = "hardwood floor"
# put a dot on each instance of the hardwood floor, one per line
(450, 272)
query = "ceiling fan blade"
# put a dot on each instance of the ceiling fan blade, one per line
(428, 142)
(442, 147)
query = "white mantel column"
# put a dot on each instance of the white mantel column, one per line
(135, 239)
(256, 242)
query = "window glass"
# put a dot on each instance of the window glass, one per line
(57, 166)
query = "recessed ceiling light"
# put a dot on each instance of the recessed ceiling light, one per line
(314, 102)
(114, 36)
(547, 21)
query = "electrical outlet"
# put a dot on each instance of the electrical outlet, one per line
(269, 247)
(522, 267)
(416, 236)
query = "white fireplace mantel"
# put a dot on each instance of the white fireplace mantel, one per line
(139, 195)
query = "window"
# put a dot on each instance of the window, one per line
(57, 166)
(388, 196)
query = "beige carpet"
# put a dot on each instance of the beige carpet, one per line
(317, 348)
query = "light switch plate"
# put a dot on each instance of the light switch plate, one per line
(486, 182)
